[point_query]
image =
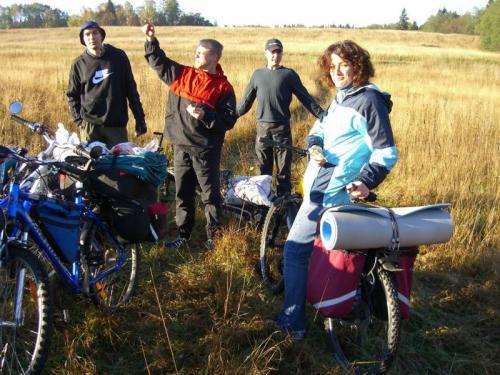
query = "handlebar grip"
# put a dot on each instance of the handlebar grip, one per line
(372, 197)
(33, 126)
(267, 141)
(21, 121)
(96, 152)
(80, 151)
(67, 167)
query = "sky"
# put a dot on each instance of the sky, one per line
(285, 12)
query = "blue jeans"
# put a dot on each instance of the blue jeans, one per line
(298, 248)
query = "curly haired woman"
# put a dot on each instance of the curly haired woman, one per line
(351, 152)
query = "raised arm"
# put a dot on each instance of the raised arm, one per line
(167, 69)
(134, 100)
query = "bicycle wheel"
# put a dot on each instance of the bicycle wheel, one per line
(370, 337)
(25, 314)
(101, 254)
(279, 220)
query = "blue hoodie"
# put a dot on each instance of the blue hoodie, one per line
(357, 142)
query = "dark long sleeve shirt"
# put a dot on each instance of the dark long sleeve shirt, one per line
(99, 87)
(273, 89)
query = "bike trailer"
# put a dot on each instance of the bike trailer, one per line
(333, 280)
(60, 223)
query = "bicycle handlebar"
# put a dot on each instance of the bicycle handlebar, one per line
(33, 126)
(61, 165)
(372, 197)
(266, 141)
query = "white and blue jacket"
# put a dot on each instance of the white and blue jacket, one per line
(357, 142)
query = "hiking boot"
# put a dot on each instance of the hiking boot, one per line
(176, 243)
(296, 336)
(210, 244)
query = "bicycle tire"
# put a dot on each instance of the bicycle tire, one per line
(370, 340)
(24, 345)
(277, 224)
(100, 254)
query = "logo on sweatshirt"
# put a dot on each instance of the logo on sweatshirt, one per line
(100, 75)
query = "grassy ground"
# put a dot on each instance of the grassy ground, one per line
(203, 312)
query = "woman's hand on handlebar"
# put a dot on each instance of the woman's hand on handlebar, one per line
(358, 190)
(316, 154)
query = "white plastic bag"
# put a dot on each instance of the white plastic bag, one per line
(254, 189)
(127, 148)
(62, 135)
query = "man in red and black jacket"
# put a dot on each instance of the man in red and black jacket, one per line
(201, 108)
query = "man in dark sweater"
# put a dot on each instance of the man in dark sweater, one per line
(273, 87)
(201, 107)
(100, 83)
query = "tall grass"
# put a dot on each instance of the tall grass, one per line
(445, 120)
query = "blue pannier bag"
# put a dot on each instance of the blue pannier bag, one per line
(60, 223)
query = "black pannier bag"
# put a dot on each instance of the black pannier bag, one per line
(131, 205)
(60, 222)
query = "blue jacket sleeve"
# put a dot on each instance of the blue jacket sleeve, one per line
(379, 138)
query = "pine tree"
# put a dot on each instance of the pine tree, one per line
(403, 23)
(171, 11)
(148, 12)
(489, 27)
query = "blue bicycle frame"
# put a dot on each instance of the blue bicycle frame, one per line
(17, 205)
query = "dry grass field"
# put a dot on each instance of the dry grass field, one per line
(445, 118)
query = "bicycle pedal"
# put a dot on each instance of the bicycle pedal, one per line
(95, 259)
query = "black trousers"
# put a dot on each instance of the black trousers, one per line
(267, 155)
(192, 167)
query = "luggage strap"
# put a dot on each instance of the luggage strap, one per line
(395, 243)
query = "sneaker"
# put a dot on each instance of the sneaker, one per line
(176, 243)
(295, 335)
(209, 244)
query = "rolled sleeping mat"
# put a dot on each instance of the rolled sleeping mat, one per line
(359, 227)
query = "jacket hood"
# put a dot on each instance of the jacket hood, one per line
(91, 25)
(370, 86)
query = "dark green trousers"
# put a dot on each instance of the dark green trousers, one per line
(108, 135)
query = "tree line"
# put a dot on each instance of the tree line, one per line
(484, 22)
(165, 13)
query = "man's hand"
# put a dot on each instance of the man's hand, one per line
(316, 154)
(196, 111)
(140, 129)
(358, 190)
(149, 30)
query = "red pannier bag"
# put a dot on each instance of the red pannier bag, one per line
(333, 280)
(404, 278)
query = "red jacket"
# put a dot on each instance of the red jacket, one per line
(187, 86)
